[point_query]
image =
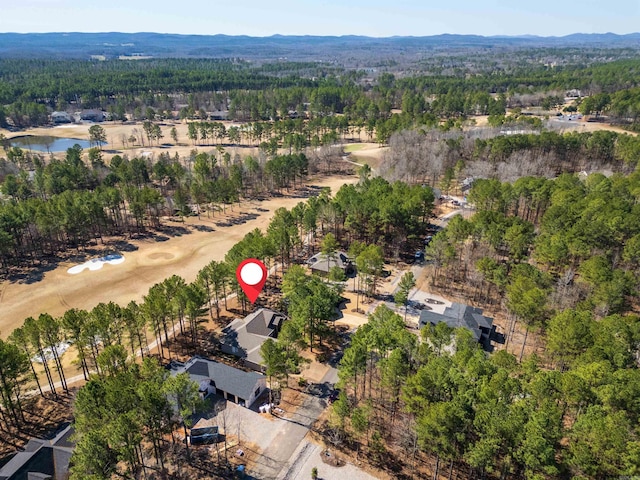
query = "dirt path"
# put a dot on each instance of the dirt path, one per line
(152, 262)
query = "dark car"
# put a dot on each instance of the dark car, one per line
(333, 396)
(204, 435)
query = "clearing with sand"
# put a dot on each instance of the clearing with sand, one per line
(150, 262)
(117, 132)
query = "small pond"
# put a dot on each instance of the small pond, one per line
(46, 143)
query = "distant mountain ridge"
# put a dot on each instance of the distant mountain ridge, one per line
(115, 44)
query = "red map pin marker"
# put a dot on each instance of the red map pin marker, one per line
(251, 275)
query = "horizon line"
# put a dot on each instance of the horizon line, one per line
(519, 36)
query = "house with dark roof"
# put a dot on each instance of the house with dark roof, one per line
(244, 336)
(322, 263)
(218, 115)
(459, 315)
(41, 459)
(93, 115)
(217, 378)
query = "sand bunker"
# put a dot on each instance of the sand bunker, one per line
(96, 263)
(48, 352)
(161, 256)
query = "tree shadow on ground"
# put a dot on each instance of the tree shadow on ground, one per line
(30, 275)
(203, 228)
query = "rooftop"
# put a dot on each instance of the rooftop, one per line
(41, 458)
(323, 263)
(244, 336)
(459, 315)
(228, 379)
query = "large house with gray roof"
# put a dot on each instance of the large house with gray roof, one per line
(42, 459)
(61, 117)
(244, 336)
(322, 263)
(217, 378)
(459, 315)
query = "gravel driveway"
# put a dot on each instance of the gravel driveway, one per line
(308, 455)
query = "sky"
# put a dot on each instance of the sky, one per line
(376, 18)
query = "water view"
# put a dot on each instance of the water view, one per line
(47, 143)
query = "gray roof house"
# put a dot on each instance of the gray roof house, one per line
(41, 459)
(93, 115)
(244, 336)
(217, 378)
(322, 263)
(218, 115)
(61, 117)
(459, 315)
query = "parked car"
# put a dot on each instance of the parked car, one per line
(199, 436)
(333, 396)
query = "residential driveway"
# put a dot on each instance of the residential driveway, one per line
(253, 427)
(275, 438)
(309, 455)
(279, 437)
(285, 438)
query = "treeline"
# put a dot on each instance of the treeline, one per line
(54, 81)
(445, 158)
(174, 306)
(599, 76)
(146, 89)
(623, 106)
(71, 203)
(545, 246)
(490, 416)
(560, 257)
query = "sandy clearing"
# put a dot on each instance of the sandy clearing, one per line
(360, 146)
(151, 263)
(116, 145)
(584, 126)
(370, 153)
